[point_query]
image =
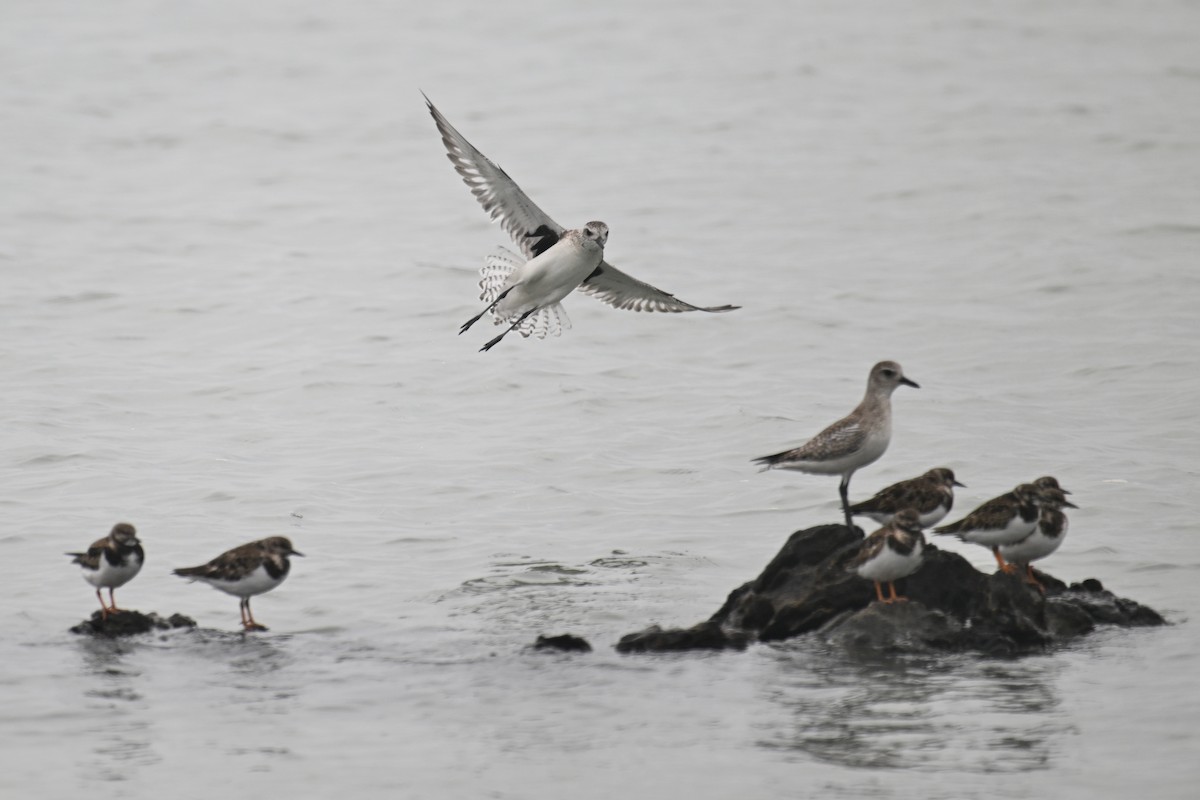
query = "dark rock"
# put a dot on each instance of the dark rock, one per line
(129, 623)
(565, 643)
(951, 605)
(705, 636)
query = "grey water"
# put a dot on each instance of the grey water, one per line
(233, 261)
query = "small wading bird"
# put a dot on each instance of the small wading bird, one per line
(931, 495)
(526, 290)
(1047, 536)
(854, 441)
(893, 552)
(1006, 519)
(245, 571)
(111, 562)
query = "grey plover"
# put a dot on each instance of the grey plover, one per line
(245, 571)
(893, 552)
(1047, 535)
(111, 562)
(525, 290)
(931, 495)
(852, 442)
(1006, 519)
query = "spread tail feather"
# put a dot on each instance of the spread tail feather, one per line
(495, 271)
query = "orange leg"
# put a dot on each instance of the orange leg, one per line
(895, 598)
(112, 603)
(248, 618)
(103, 608)
(1005, 567)
(1029, 578)
(879, 592)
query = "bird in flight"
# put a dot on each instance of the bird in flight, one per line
(525, 291)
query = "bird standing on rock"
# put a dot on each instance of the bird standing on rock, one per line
(852, 442)
(111, 562)
(1006, 519)
(931, 495)
(893, 552)
(245, 571)
(1046, 537)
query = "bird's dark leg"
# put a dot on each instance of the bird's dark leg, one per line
(507, 331)
(844, 491)
(478, 316)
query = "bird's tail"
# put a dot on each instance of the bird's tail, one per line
(76, 558)
(549, 320)
(494, 274)
(189, 572)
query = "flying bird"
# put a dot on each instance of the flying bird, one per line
(525, 290)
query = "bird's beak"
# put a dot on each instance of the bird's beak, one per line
(956, 483)
(907, 382)
(1069, 504)
(296, 553)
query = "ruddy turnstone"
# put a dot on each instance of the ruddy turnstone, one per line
(1047, 535)
(1006, 519)
(854, 441)
(525, 290)
(931, 495)
(891, 553)
(245, 571)
(1049, 482)
(111, 562)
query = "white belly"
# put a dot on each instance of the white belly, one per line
(548, 278)
(1016, 530)
(256, 582)
(926, 520)
(1036, 545)
(109, 576)
(890, 565)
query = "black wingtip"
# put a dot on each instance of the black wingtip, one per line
(720, 309)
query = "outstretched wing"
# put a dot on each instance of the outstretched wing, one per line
(609, 285)
(529, 226)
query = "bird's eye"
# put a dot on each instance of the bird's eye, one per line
(588, 232)
(891, 373)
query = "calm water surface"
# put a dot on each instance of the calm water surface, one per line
(234, 259)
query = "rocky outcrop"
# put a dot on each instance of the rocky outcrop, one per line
(808, 590)
(129, 623)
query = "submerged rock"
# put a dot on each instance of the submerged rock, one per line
(129, 623)
(807, 589)
(565, 643)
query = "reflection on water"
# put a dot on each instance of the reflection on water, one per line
(121, 734)
(921, 713)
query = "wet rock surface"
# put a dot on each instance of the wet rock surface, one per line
(129, 623)
(564, 643)
(806, 589)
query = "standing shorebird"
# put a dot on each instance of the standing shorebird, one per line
(525, 290)
(245, 571)
(1047, 535)
(852, 442)
(931, 495)
(1006, 519)
(891, 553)
(111, 562)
